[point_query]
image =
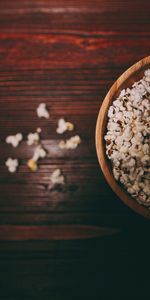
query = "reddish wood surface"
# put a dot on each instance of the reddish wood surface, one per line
(53, 232)
(67, 54)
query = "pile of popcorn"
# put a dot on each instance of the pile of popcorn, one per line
(127, 139)
(34, 139)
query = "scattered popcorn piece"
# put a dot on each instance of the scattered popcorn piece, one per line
(12, 164)
(64, 126)
(39, 130)
(39, 153)
(32, 164)
(70, 126)
(62, 144)
(33, 138)
(42, 111)
(14, 140)
(71, 143)
(127, 139)
(57, 177)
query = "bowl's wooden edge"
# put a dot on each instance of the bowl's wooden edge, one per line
(99, 134)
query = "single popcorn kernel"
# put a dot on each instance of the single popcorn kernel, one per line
(33, 138)
(70, 126)
(39, 153)
(12, 164)
(62, 144)
(71, 143)
(32, 165)
(64, 126)
(14, 140)
(57, 177)
(39, 130)
(42, 111)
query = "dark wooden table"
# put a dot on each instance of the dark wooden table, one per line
(67, 54)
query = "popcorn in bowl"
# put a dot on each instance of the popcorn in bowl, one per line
(127, 139)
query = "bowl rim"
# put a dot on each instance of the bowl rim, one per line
(99, 139)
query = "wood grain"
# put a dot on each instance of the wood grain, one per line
(55, 232)
(46, 16)
(67, 54)
(32, 51)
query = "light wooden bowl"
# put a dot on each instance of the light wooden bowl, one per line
(133, 74)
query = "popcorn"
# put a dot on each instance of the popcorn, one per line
(32, 164)
(122, 94)
(42, 111)
(129, 163)
(119, 140)
(147, 73)
(38, 153)
(111, 112)
(145, 159)
(39, 130)
(57, 177)
(12, 164)
(64, 126)
(116, 173)
(146, 149)
(127, 143)
(116, 103)
(130, 190)
(127, 135)
(147, 78)
(33, 138)
(146, 103)
(71, 143)
(14, 140)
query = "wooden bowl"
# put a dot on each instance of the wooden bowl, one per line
(133, 74)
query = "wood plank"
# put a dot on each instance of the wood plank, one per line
(42, 16)
(53, 232)
(63, 51)
(121, 219)
(86, 5)
(51, 275)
